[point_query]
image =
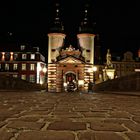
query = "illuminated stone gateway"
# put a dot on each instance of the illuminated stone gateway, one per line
(68, 67)
(70, 72)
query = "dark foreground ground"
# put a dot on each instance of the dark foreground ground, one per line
(69, 116)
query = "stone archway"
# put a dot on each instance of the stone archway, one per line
(70, 81)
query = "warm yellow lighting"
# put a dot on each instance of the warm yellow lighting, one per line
(11, 57)
(80, 82)
(41, 82)
(39, 68)
(89, 70)
(94, 68)
(65, 84)
(110, 74)
(137, 70)
(44, 69)
(3, 55)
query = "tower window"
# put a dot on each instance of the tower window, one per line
(53, 60)
(53, 50)
(87, 50)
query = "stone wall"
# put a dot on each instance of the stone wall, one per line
(10, 83)
(125, 83)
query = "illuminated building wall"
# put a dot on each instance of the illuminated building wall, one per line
(86, 42)
(24, 63)
(56, 41)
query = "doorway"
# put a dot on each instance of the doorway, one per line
(71, 82)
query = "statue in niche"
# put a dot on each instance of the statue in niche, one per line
(108, 60)
(70, 48)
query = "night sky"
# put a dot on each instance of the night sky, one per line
(117, 22)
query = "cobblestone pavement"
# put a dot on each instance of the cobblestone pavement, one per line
(69, 116)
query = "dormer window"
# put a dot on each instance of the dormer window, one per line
(22, 47)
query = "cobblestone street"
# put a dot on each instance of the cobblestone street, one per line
(69, 116)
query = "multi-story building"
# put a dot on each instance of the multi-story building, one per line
(126, 65)
(24, 62)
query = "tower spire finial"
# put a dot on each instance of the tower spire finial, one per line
(58, 26)
(85, 25)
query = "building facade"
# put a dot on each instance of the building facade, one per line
(127, 65)
(24, 63)
(71, 67)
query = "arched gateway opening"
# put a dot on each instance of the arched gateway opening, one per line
(70, 82)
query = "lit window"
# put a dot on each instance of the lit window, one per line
(32, 66)
(32, 78)
(24, 56)
(15, 67)
(15, 56)
(22, 47)
(15, 75)
(23, 66)
(32, 56)
(6, 66)
(23, 77)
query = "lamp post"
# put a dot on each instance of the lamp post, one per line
(94, 71)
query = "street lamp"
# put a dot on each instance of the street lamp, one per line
(94, 71)
(44, 69)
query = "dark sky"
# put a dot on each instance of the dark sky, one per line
(117, 22)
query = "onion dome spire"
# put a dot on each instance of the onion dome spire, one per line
(86, 23)
(57, 23)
